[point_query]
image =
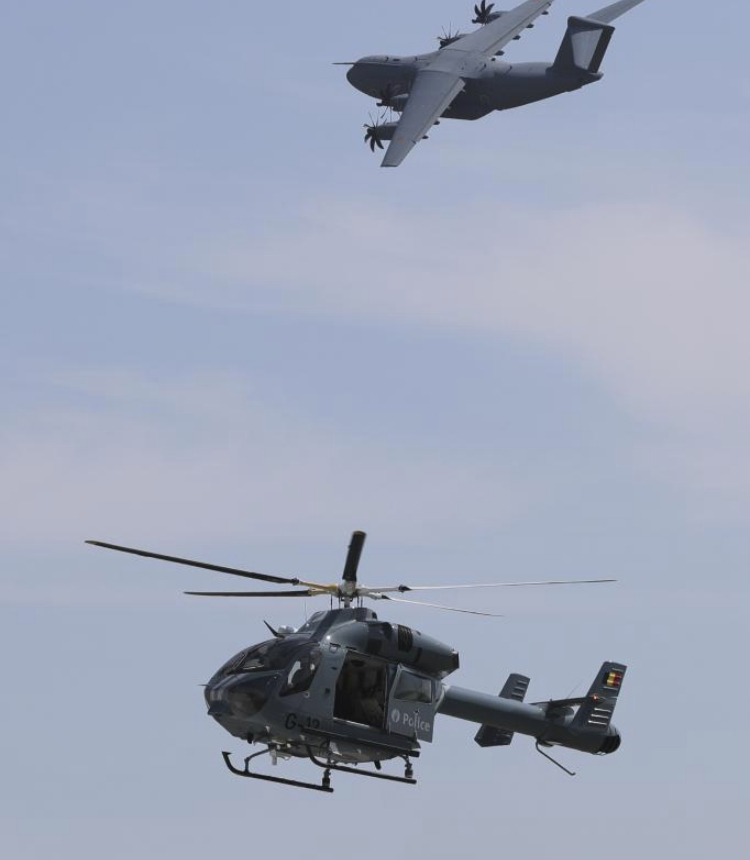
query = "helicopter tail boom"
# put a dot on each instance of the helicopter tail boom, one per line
(582, 724)
(515, 688)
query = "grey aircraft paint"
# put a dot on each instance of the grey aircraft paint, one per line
(255, 706)
(465, 79)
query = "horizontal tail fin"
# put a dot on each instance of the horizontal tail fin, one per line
(610, 13)
(584, 45)
(515, 688)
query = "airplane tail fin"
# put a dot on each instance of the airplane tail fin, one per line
(584, 45)
(587, 39)
(599, 705)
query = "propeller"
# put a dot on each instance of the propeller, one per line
(448, 37)
(348, 590)
(373, 132)
(483, 13)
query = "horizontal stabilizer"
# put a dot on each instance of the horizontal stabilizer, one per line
(584, 45)
(515, 688)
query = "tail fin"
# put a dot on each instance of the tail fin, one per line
(584, 45)
(599, 706)
(515, 688)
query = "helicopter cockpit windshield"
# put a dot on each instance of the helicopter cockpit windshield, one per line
(269, 656)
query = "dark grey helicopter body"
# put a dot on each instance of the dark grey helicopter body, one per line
(465, 79)
(347, 688)
(335, 687)
(350, 688)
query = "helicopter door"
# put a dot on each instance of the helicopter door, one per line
(361, 691)
(411, 708)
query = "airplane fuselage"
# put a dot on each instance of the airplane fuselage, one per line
(491, 85)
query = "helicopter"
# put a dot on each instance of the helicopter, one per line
(348, 691)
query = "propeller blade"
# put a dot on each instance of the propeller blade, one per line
(404, 588)
(307, 593)
(440, 606)
(357, 542)
(263, 577)
(483, 12)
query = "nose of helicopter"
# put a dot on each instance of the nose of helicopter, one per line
(239, 696)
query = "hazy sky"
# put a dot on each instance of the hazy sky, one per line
(226, 333)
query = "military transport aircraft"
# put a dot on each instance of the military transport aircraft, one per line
(465, 79)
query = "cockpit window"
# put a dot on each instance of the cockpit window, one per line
(270, 655)
(302, 672)
(256, 658)
(232, 664)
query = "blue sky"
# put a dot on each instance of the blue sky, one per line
(227, 334)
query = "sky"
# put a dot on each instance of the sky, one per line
(225, 333)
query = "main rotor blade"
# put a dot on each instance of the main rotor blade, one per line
(306, 593)
(263, 577)
(440, 606)
(353, 556)
(404, 588)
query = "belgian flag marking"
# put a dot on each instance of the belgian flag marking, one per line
(613, 680)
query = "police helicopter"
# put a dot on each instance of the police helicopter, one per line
(348, 691)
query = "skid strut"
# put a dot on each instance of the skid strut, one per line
(554, 762)
(407, 778)
(326, 767)
(246, 772)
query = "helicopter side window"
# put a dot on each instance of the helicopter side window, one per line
(303, 670)
(412, 688)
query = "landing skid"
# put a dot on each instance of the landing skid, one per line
(325, 786)
(326, 767)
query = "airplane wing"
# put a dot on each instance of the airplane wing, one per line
(610, 13)
(436, 86)
(494, 36)
(429, 98)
